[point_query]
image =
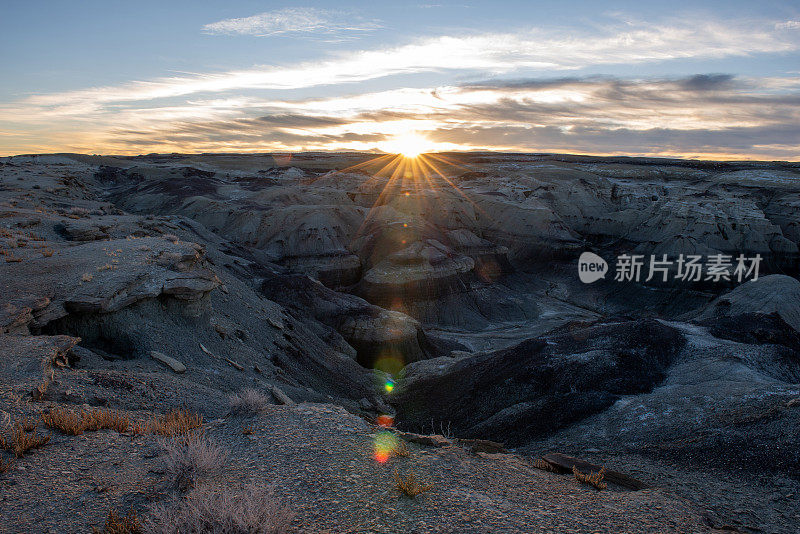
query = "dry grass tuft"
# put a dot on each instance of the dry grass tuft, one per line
(409, 485)
(250, 510)
(248, 402)
(178, 422)
(5, 465)
(190, 458)
(21, 441)
(116, 524)
(29, 425)
(47, 252)
(247, 430)
(544, 465)
(66, 421)
(75, 423)
(108, 419)
(401, 450)
(86, 277)
(592, 479)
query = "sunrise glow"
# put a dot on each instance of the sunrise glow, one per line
(410, 145)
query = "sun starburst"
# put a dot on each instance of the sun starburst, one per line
(409, 145)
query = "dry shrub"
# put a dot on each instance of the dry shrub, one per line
(592, 479)
(5, 465)
(47, 252)
(248, 402)
(86, 277)
(106, 267)
(178, 422)
(116, 524)
(409, 485)
(247, 430)
(190, 458)
(21, 441)
(250, 510)
(75, 423)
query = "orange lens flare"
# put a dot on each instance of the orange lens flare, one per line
(385, 421)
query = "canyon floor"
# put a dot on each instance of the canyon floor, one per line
(269, 343)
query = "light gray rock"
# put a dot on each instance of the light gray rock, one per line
(169, 361)
(775, 293)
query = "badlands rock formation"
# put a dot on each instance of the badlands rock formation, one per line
(448, 301)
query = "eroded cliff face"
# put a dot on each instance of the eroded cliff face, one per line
(324, 283)
(485, 246)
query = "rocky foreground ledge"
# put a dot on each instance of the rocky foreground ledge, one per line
(310, 346)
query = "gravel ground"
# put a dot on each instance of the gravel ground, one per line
(320, 459)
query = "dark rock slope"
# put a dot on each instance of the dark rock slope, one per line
(543, 384)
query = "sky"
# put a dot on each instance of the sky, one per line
(713, 80)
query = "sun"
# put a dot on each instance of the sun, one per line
(408, 145)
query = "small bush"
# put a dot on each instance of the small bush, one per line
(86, 277)
(20, 441)
(250, 510)
(409, 485)
(116, 524)
(47, 252)
(248, 402)
(592, 479)
(191, 458)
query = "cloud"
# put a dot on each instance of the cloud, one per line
(513, 108)
(788, 25)
(708, 115)
(534, 49)
(293, 20)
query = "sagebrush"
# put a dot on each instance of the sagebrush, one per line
(189, 459)
(248, 510)
(248, 402)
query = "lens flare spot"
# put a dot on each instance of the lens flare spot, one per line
(390, 363)
(385, 421)
(389, 386)
(385, 443)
